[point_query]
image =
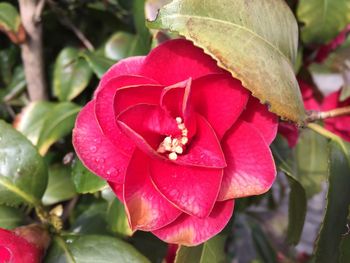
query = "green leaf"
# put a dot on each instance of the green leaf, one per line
(98, 63)
(71, 74)
(10, 217)
(143, 37)
(297, 196)
(312, 161)
(9, 17)
(93, 249)
(23, 173)
(296, 210)
(84, 180)
(120, 45)
(92, 220)
(345, 249)
(117, 219)
(17, 84)
(323, 19)
(263, 246)
(338, 200)
(60, 186)
(255, 40)
(31, 120)
(59, 122)
(211, 251)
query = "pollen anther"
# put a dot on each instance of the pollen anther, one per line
(174, 146)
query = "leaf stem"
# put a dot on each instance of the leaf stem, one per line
(322, 115)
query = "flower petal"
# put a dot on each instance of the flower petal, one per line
(95, 150)
(177, 60)
(204, 149)
(16, 249)
(191, 231)
(192, 189)
(104, 108)
(258, 115)
(146, 208)
(250, 166)
(127, 66)
(148, 122)
(117, 190)
(220, 99)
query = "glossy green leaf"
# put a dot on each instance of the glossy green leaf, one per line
(296, 210)
(255, 40)
(92, 220)
(338, 200)
(93, 249)
(9, 17)
(23, 173)
(143, 39)
(60, 186)
(71, 74)
(297, 205)
(322, 19)
(17, 84)
(345, 249)
(7, 62)
(98, 63)
(10, 217)
(311, 159)
(120, 45)
(263, 246)
(117, 219)
(59, 122)
(31, 120)
(211, 251)
(84, 180)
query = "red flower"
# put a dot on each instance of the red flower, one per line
(17, 249)
(338, 125)
(178, 139)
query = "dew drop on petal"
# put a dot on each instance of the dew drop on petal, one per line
(93, 149)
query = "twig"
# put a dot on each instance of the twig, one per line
(68, 23)
(69, 208)
(38, 11)
(32, 52)
(322, 115)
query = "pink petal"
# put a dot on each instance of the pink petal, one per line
(148, 122)
(177, 60)
(309, 96)
(127, 66)
(338, 125)
(132, 95)
(146, 208)
(191, 231)
(94, 149)
(117, 189)
(220, 99)
(250, 165)
(204, 149)
(16, 249)
(192, 189)
(176, 100)
(104, 108)
(258, 115)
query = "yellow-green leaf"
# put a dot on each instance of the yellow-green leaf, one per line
(255, 40)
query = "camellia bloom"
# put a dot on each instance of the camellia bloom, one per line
(338, 125)
(17, 249)
(178, 139)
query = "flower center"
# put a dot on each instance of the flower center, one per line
(174, 146)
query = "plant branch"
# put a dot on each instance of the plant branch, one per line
(39, 10)
(322, 115)
(64, 20)
(32, 51)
